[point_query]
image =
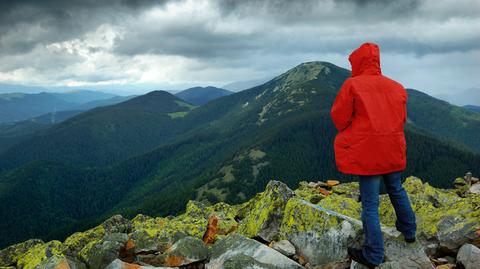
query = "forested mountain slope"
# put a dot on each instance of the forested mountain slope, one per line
(225, 150)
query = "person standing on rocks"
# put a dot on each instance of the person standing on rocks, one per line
(369, 113)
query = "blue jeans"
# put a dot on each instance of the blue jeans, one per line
(405, 223)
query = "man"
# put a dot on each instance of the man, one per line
(369, 113)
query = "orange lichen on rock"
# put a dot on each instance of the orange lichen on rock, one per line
(301, 260)
(62, 265)
(211, 232)
(130, 266)
(324, 191)
(332, 183)
(129, 245)
(174, 261)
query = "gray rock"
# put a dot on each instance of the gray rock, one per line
(56, 262)
(116, 237)
(118, 264)
(319, 235)
(242, 261)
(236, 250)
(469, 256)
(453, 232)
(106, 251)
(117, 224)
(185, 251)
(326, 241)
(475, 188)
(145, 242)
(341, 264)
(284, 247)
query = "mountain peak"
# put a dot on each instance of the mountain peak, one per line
(155, 101)
(314, 71)
(308, 71)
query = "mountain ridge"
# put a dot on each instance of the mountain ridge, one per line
(202, 95)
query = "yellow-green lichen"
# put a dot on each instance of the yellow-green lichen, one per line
(11, 254)
(193, 222)
(343, 205)
(77, 241)
(306, 217)
(38, 253)
(263, 208)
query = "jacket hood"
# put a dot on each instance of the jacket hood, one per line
(365, 60)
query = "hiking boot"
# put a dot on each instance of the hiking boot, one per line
(410, 240)
(357, 255)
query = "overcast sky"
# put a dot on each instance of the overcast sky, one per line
(431, 45)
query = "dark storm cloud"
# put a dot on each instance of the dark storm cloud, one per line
(26, 24)
(300, 10)
(118, 40)
(196, 41)
(352, 21)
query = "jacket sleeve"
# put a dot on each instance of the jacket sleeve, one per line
(405, 107)
(342, 109)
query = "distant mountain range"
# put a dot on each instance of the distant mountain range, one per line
(103, 135)
(21, 106)
(202, 95)
(9, 88)
(154, 152)
(472, 108)
(466, 97)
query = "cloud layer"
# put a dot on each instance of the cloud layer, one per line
(431, 45)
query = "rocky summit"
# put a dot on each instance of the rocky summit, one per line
(310, 227)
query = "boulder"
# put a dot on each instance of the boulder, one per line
(284, 247)
(265, 212)
(118, 264)
(469, 256)
(237, 251)
(185, 251)
(10, 255)
(58, 262)
(475, 188)
(39, 253)
(459, 181)
(98, 254)
(321, 237)
(157, 234)
(445, 221)
(75, 243)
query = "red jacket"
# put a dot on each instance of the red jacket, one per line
(369, 113)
